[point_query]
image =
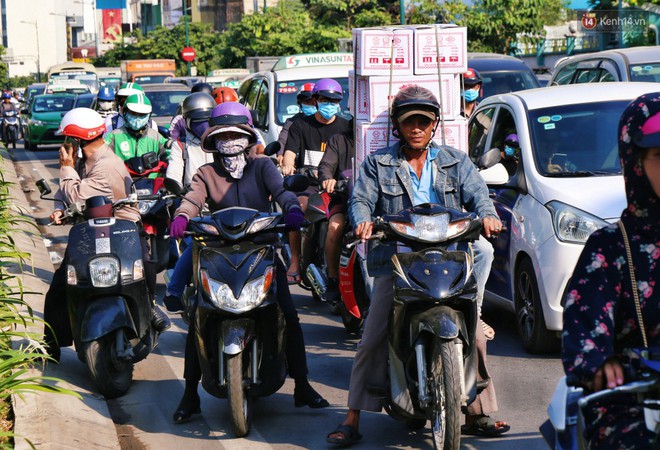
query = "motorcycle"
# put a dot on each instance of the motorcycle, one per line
(10, 128)
(239, 327)
(355, 285)
(564, 430)
(431, 332)
(107, 296)
(156, 212)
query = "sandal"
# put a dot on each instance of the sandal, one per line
(350, 434)
(293, 278)
(489, 332)
(485, 426)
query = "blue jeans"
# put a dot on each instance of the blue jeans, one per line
(183, 271)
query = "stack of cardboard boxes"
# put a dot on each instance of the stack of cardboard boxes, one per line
(389, 58)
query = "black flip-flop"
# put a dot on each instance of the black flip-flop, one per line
(351, 436)
(484, 426)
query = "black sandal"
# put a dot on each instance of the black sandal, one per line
(350, 433)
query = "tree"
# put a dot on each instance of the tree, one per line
(350, 14)
(4, 70)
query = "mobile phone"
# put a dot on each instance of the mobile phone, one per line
(559, 159)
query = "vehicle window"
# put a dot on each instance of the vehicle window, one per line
(587, 76)
(262, 107)
(150, 79)
(576, 140)
(478, 130)
(52, 103)
(165, 103)
(85, 101)
(645, 72)
(503, 82)
(285, 98)
(565, 75)
(504, 126)
(251, 96)
(609, 72)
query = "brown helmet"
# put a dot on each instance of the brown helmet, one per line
(224, 94)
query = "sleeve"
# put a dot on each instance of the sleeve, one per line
(274, 184)
(284, 134)
(163, 146)
(110, 140)
(76, 190)
(330, 161)
(176, 128)
(474, 192)
(176, 164)
(590, 302)
(195, 198)
(363, 201)
(294, 140)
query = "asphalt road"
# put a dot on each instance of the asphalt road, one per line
(142, 417)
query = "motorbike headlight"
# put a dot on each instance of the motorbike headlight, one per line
(260, 224)
(71, 276)
(252, 294)
(145, 205)
(104, 271)
(430, 228)
(208, 228)
(572, 224)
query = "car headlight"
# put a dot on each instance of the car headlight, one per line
(104, 271)
(250, 297)
(38, 123)
(430, 228)
(572, 224)
(260, 224)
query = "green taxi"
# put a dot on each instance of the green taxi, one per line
(44, 115)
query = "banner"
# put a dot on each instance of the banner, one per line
(111, 26)
(83, 54)
(110, 4)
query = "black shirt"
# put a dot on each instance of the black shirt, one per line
(338, 157)
(308, 138)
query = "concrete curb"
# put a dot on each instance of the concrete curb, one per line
(52, 421)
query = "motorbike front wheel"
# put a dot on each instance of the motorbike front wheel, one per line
(446, 391)
(112, 375)
(239, 402)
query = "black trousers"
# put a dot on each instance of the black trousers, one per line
(296, 358)
(56, 313)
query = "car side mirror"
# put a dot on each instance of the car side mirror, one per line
(496, 175)
(272, 148)
(43, 187)
(489, 159)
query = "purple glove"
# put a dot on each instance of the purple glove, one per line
(294, 218)
(178, 227)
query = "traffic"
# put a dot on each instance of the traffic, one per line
(420, 217)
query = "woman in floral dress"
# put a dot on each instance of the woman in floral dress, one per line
(600, 319)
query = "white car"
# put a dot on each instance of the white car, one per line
(567, 183)
(271, 95)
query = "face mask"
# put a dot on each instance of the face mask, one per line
(136, 123)
(470, 95)
(509, 151)
(232, 147)
(308, 110)
(198, 127)
(235, 165)
(328, 110)
(105, 106)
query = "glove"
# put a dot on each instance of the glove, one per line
(294, 218)
(178, 227)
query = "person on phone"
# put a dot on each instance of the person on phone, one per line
(100, 173)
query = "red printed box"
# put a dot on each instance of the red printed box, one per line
(451, 49)
(379, 51)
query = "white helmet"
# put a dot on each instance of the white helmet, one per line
(82, 123)
(127, 89)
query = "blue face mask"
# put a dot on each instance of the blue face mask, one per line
(308, 110)
(328, 110)
(136, 123)
(510, 151)
(470, 95)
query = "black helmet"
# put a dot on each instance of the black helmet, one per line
(202, 87)
(197, 105)
(414, 99)
(471, 78)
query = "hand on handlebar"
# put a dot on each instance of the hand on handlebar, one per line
(56, 217)
(364, 230)
(609, 376)
(288, 170)
(329, 185)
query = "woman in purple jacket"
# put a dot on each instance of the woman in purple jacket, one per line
(238, 177)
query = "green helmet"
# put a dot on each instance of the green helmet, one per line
(138, 103)
(127, 89)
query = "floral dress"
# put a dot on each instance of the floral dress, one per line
(600, 319)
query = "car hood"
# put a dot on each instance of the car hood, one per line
(604, 197)
(48, 116)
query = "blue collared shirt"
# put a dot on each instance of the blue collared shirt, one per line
(423, 191)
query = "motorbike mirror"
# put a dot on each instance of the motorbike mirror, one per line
(149, 160)
(272, 148)
(489, 159)
(164, 131)
(296, 183)
(43, 187)
(135, 164)
(24, 111)
(173, 186)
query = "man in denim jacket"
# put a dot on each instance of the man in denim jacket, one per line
(412, 171)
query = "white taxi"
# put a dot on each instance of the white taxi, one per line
(271, 95)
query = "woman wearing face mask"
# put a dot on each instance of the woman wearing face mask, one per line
(470, 92)
(135, 137)
(510, 153)
(238, 177)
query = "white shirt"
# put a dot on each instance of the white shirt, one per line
(183, 164)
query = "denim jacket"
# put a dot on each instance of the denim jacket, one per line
(384, 186)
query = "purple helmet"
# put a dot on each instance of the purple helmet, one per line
(328, 88)
(512, 140)
(228, 116)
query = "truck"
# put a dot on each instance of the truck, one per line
(147, 71)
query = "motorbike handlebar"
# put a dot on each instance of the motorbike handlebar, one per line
(628, 388)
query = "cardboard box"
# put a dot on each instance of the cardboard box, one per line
(374, 94)
(452, 49)
(379, 51)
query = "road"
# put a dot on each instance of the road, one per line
(143, 416)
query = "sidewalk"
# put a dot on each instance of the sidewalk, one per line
(53, 421)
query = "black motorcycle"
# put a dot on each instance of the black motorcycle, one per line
(106, 292)
(10, 127)
(432, 347)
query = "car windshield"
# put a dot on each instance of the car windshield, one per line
(645, 72)
(165, 103)
(52, 103)
(150, 79)
(85, 101)
(503, 82)
(577, 140)
(111, 82)
(285, 100)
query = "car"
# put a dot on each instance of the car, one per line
(501, 74)
(620, 64)
(68, 86)
(165, 100)
(566, 184)
(43, 117)
(187, 81)
(32, 90)
(271, 95)
(85, 101)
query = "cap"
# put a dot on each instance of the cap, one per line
(403, 115)
(649, 135)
